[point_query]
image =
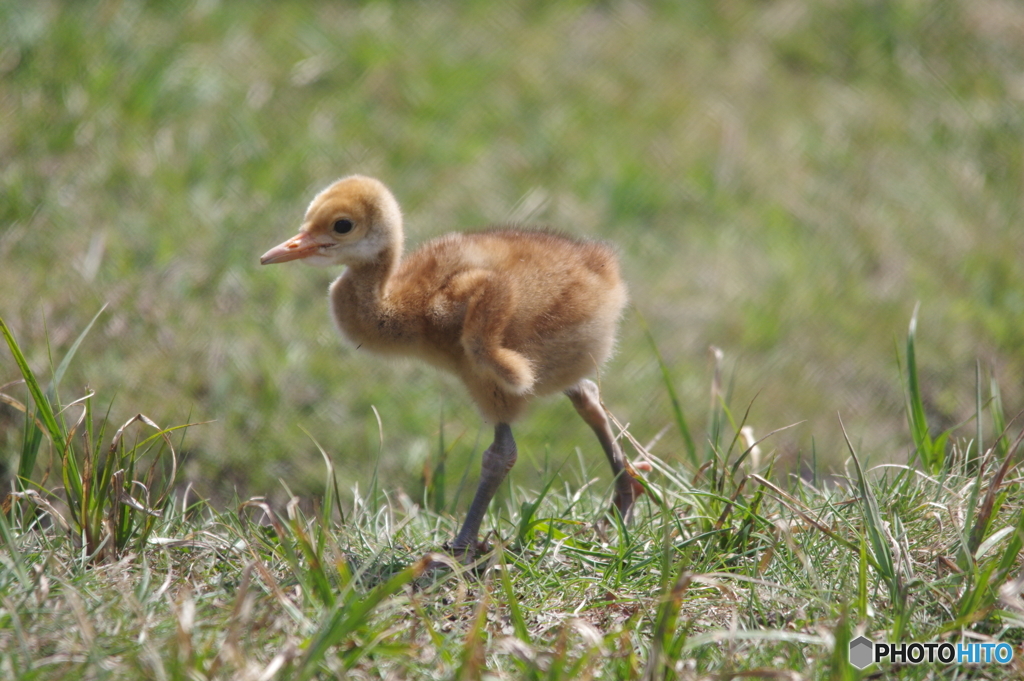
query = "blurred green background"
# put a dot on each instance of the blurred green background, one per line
(785, 180)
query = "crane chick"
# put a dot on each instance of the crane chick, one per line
(514, 313)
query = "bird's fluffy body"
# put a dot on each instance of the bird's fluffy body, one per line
(512, 312)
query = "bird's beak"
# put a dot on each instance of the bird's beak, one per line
(299, 246)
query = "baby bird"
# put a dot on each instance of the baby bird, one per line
(513, 313)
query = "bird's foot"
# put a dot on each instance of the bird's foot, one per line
(459, 555)
(622, 502)
(628, 490)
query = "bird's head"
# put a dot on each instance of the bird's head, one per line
(354, 221)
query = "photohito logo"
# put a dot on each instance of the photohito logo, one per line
(863, 651)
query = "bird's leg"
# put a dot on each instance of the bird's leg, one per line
(587, 400)
(497, 462)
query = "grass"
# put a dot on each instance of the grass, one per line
(723, 572)
(785, 181)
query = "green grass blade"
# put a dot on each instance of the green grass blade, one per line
(663, 638)
(978, 596)
(528, 509)
(677, 409)
(842, 670)
(515, 613)
(64, 363)
(979, 443)
(862, 581)
(918, 420)
(315, 573)
(998, 417)
(43, 406)
(16, 561)
(873, 520)
(347, 617)
(1013, 547)
(32, 438)
(435, 492)
(990, 503)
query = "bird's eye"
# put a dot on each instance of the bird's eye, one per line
(343, 226)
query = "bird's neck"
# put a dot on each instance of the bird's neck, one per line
(370, 279)
(359, 299)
